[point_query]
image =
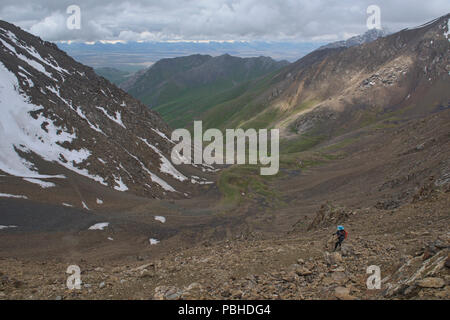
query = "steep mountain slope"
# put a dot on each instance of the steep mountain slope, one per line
(181, 89)
(404, 74)
(60, 118)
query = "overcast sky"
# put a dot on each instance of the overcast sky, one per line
(162, 20)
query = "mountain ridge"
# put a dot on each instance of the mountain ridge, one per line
(334, 79)
(59, 116)
(368, 36)
(174, 83)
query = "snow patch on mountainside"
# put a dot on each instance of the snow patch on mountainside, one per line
(7, 195)
(99, 226)
(7, 227)
(159, 181)
(117, 119)
(82, 116)
(32, 51)
(27, 80)
(120, 186)
(160, 219)
(43, 184)
(162, 135)
(32, 63)
(153, 176)
(21, 132)
(166, 165)
(153, 241)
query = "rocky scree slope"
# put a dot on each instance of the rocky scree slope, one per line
(410, 245)
(402, 75)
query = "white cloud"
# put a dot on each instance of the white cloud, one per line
(52, 27)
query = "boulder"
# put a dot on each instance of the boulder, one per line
(302, 271)
(339, 277)
(333, 258)
(167, 293)
(346, 250)
(431, 282)
(343, 293)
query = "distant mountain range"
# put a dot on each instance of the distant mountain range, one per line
(132, 56)
(182, 88)
(185, 88)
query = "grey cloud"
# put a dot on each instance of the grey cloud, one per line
(294, 20)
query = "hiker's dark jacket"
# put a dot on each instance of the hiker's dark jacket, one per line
(341, 235)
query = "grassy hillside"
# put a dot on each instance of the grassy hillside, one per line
(188, 88)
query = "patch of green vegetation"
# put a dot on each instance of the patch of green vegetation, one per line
(214, 104)
(263, 120)
(298, 161)
(303, 143)
(345, 142)
(217, 90)
(302, 160)
(244, 181)
(385, 125)
(243, 107)
(310, 163)
(397, 114)
(367, 119)
(389, 122)
(379, 119)
(329, 156)
(226, 105)
(306, 105)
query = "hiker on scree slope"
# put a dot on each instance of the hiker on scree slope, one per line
(341, 236)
